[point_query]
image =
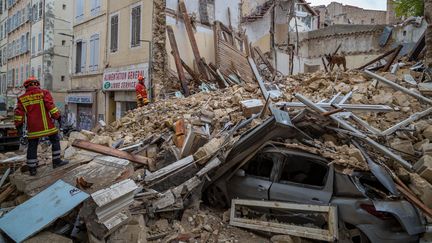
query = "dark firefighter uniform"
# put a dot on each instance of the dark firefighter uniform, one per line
(37, 106)
(141, 92)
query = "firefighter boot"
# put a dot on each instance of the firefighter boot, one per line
(59, 162)
(33, 171)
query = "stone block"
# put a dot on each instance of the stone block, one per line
(424, 167)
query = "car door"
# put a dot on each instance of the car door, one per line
(253, 180)
(303, 179)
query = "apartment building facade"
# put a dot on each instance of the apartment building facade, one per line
(128, 54)
(85, 100)
(51, 26)
(18, 27)
(3, 47)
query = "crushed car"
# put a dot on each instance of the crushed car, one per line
(259, 168)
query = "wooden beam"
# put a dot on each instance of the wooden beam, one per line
(337, 49)
(177, 60)
(265, 60)
(191, 72)
(110, 151)
(392, 58)
(324, 64)
(191, 35)
(377, 59)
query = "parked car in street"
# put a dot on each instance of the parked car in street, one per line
(277, 173)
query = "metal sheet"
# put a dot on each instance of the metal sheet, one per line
(44, 208)
(385, 36)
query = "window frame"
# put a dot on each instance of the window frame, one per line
(314, 160)
(79, 10)
(138, 44)
(110, 32)
(94, 52)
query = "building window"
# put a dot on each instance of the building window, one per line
(27, 71)
(39, 72)
(1, 6)
(95, 6)
(79, 8)
(32, 71)
(64, 6)
(404, 33)
(62, 78)
(81, 51)
(39, 42)
(114, 33)
(33, 45)
(1, 58)
(23, 46)
(94, 53)
(63, 42)
(372, 21)
(135, 26)
(35, 12)
(16, 77)
(22, 72)
(40, 9)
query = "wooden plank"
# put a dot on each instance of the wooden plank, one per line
(319, 234)
(282, 205)
(192, 40)
(377, 59)
(258, 77)
(110, 151)
(283, 229)
(392, 58)
(324, 64)
(6, 193)
(215, 162)
(169, 169)
(265, 60)
(191, 72)
(33, 215)
(177, 60)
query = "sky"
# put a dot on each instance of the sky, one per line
(367, 4)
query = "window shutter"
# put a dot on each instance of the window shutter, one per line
(92, 42)
(96, 53)
(83, 55)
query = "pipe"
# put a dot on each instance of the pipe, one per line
(347, 126)
(398, 87)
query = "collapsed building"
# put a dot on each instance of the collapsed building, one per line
(227, 130)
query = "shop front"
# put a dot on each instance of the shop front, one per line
(81, 109)
(119, 88)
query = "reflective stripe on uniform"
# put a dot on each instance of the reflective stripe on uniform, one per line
(56, 152)
(44, 120)
(32, 163)
(42, 133)
(54, 110)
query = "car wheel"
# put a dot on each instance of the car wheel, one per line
(216, 197)
(350, 234)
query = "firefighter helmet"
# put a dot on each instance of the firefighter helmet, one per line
(31, 81)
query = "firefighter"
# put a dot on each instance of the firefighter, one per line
(37, 105)
(141, 92)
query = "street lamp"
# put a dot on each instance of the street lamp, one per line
(150, 51)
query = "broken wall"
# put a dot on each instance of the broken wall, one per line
(215, 10)
(359, 44)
